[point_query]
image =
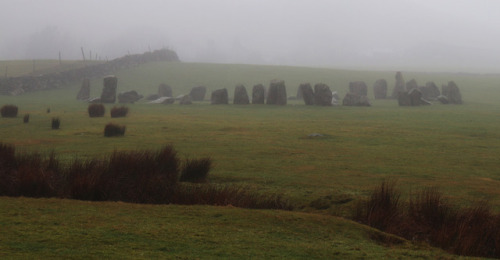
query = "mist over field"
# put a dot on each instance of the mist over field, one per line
(424, 35)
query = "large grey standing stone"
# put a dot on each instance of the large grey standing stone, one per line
(276, 94)
(108, 94)
(380, 89)
(219, 97)
(412, 84)
(452, 92)
(241, 95)
(164, 90)
(129, 97)
(353, 99)
(358, 87)
(307, 93)
(430, 91)
(198, 93)
(258, 94)
(399, 86)
(322, 95)
(84, 93)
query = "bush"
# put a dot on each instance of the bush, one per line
(111, 130)
(382, 209)
(9, 111)
(55, 123)
(96, 110)
(196, 170)
(119, 111)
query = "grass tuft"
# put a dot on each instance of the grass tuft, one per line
(119, 111)
(96, 110)
(196, 170)
(111, 130)
(9, 111)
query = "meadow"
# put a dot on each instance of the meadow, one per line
(268, 149)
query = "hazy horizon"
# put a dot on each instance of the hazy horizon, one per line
(388, 34)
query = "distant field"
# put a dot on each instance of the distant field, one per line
(453, 147)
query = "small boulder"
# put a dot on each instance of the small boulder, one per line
(185, 100)
(129, 97)
(241, 95)
(353, 99)
(219, 97)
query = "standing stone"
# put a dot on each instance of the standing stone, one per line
(400, 85)
(412, 84)
(353, 99)
(198, 93)
(358, 87)
(380, 89)
(430, 91)
(277, 93)
(84, 93)
(412, 98)
(322, 95)
(109, 91)
(241, 95)
(306, 93)
(185, 100)
(335, 98)
(219, 97)
(258, 94)
(452, 92)
(164, 90)
(129, 97)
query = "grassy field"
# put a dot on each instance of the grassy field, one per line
(267, 148)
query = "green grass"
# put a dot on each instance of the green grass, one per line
(266, 147)
(64, 229)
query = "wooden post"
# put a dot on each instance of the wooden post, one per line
(83, 54)
(33, 66)
(60, 63)
(90, 55)
(6, 67)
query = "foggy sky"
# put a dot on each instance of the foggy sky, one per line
(449, 35)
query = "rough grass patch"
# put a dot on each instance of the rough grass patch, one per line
(111, 130)
(119, 111)
(9, 111)
(196, 170)
(96, 110)
(56, 122)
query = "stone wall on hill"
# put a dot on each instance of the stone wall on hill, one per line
(18, 85)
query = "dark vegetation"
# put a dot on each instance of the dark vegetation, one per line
(196, 170)
(111, 130)
(9, 111)
(96, 110)
(472, 231)
(26, 118)
(56, 123)
(132, 176)
(119, 111)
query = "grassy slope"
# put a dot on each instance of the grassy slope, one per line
(40, 228)
(264, 147)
